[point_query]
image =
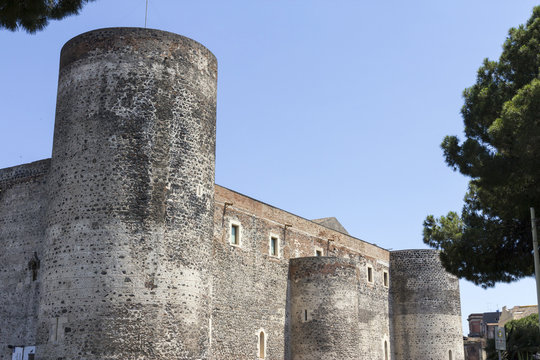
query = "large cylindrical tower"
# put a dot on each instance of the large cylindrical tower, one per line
(126, 270)
(324, 308)
(426, 312)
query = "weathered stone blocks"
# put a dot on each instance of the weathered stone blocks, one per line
(126, 262)
(23, 200)
(324, 308)
(426, 310)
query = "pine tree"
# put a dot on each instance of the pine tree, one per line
(491, 241)
(34, 15)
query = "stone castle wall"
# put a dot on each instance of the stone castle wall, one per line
(325, 309)
(251, 292)
(132, 238)
(426, 309)
(23, 200)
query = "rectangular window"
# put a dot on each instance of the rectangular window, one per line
(385, 278)
(235, 234)
(273, 246)
(370, 274)
(318, 252)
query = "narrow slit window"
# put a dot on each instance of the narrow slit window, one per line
(262, 349)
(450, 354)
(370, 274)
(273, 246)
(235, 234)
(385, 279)
(305, 315)
(385, 350)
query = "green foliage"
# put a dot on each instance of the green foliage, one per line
(34, 15)
(491, 352)
(522, 340)
(491, 241)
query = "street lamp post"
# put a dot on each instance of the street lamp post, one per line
(536, 260)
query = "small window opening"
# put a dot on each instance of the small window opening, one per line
(273, 246)
(385, 350)
(305, 315)
(370, 274)
(449, 354)
(55, 325)
(235, 234)
(385, 279)
(318, 252)
(33, 265)
(261, 345)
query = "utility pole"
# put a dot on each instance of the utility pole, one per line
(536, 259)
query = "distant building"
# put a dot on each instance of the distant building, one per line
(490, 321)
(473, 348)
(475, 325)
(481, 328)
(516, 313)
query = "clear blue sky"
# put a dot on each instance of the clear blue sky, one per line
(325, 108)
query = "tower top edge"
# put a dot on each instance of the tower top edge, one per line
(113, 37)
(417, 251)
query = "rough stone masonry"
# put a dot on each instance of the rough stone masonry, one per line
(121, 246)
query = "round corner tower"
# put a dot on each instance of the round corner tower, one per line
(426, 310)
(126, 270)
(324, 308)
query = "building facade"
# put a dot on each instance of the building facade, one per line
(482, 327)
(121, 246)
(516, 313)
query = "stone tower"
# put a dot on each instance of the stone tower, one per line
(425, 307)
(324, 308)
(127, 256)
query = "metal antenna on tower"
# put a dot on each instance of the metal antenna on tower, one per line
(145, 14)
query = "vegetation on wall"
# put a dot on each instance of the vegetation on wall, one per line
(491, 240)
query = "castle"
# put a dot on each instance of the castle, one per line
(121, 246)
